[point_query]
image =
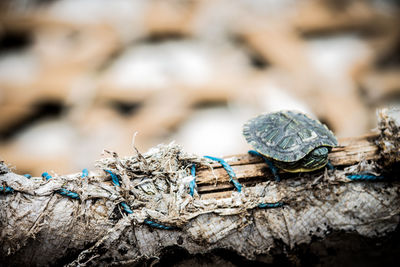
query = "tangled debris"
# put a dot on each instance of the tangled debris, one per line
(41, 227)
(388, 125)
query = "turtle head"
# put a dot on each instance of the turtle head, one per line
(316, 159)
(320, 152)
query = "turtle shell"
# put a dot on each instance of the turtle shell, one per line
(287, 135)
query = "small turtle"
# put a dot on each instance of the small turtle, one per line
(290, 140)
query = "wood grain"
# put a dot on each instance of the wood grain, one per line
(250, 170)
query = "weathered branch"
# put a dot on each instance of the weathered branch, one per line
(39, 226)
(250, 169)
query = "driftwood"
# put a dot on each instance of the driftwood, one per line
(41, 227)
(250, 169)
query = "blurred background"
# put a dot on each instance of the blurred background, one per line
(80, 76)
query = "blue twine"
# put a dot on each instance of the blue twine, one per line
(192, 184)
(364, 177)
(271, 166)
(62, 191)
(6, 189)
(115, 181)
(128, 210)
(125, 207)
(270, 205)
(67, 193)
(85, 173)
(229, 170)
(157, 225)
(46, 175)
(28, 176)
(114, 178)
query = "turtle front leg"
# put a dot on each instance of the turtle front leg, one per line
(330, 166)
(270, 164)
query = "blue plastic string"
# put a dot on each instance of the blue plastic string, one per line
(68, 193)
(157, 225)
(125, 207)
(6, 189)
(85, 173)
(115, 181)
(128, 210)
(28, 176)
(364, 177)
(114, 178)
(62, 191)
(270, 205)
(229, 170)
(46, 175)
(192, 184)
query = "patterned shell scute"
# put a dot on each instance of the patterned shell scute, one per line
(287, 135)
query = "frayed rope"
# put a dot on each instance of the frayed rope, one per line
(85, 173)
(270, 205)
(128, 210)
(46, 175)
(192, 184)
(67, 193)
(6, 189)
(364, 177)
(114, 178)
(157, 225)
(229, 170)
(115, 181)
(62, 191)
(125, 207)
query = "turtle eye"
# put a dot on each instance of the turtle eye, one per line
(320, 152)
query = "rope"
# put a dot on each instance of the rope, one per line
(229, 170)
(115, 181)
(270, 205)
(128, 210)
(46, 175)
(192, 184)
(62, 191)
(157, 225)
(85, 173)
(125, 207)
(364, 177)
(73, 195)
(114, 178)
(67, 193)
(6, 189)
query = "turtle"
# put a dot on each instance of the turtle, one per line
(290, 140)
